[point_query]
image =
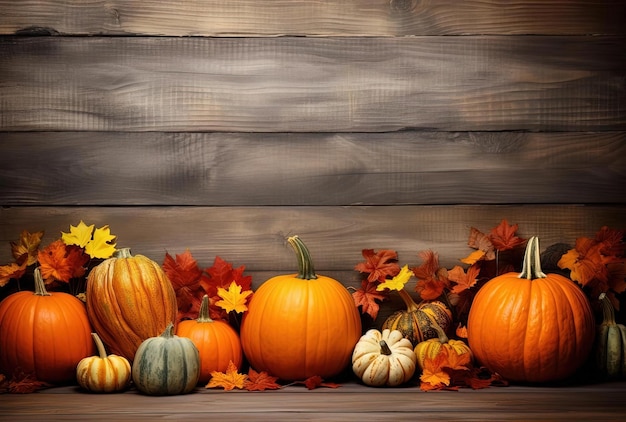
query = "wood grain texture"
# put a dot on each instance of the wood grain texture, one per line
(312, 18)
(350, 402)
(240, 169)
(255, 236)
(313, 84)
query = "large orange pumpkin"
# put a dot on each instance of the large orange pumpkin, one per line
(300, 325)
(217, 342)
(529, 326)
(129, 299)
(44, 334)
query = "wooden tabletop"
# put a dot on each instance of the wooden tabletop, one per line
(349, 402)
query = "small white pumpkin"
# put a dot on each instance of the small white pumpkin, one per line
(383, 359)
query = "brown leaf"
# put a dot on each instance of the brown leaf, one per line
(480, 241)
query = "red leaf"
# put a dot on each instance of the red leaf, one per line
(379, 265)
(260, 381)
(315, 382)
(186, 278)
(366, 297)
(503, 236)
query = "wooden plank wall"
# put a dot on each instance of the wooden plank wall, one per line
(222, 127)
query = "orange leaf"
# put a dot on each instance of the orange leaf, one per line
(260, 381)
(316, 381)
(366, 297)
(228, 380)
(430, 289)
(379, 265)
(53, 263)
(429, 266)
(463, 280)
(9, 271)
(503, 236)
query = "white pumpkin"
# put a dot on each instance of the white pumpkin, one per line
(384, 359)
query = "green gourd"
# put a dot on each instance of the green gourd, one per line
(166, 365)
(610, 347)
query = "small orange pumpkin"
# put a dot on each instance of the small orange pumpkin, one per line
(129, 299)
(217, 342)
(43, 334)
(529, 326)
(102, 373)
(300, 325)
(432, 347)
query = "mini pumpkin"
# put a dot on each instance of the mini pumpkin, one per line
(166, 365)
(432, 347)
(610, 346)
(383, 359)
(102, 373)
(530, 326)
(415, 322)
(217, 342)
(300, 325)
(44, 334)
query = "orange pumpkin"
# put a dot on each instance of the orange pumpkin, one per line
(129, 299)
(300, 325)
(217, 342)
(432, 347)
(529, 326)
(44, 334)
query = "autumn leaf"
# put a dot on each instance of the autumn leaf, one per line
(228, 380)
(366, 297)
(102, 244)
(233, 299)
(503, 236)
(222, 274)
(474, 257)
(396, 283)
(79, 235)
(24, 251)
(10, 271)
(480, 241)
(461, 331)
(316, 381)
(21, 383)
(186, 278)
(378, 265)
(429, 266)
(77, 260)
(433, 375)
(53, 263)
(260, 381)
(462, 280)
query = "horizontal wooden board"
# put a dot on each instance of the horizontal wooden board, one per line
(255, 236)
(239, 169)
(487, 83)
(312, 18)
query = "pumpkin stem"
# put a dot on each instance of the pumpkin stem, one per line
(305, 264)
(411, 306)
(203, 315)
(122, 253)
(99, 345)
(384, 348)
(169, 331)
(441, 335)
(608, 312)
(40, 287)
(531, 268)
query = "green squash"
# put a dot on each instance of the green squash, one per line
(610, 347)
(166, 365)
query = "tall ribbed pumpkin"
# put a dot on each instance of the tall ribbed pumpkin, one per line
(300, 325)
(44, 334)
(129, 299)
(529, 326)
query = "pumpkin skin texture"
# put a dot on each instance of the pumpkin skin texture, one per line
(416, 321)
(610, 346)
(43, 333)
(300, 325)
(531, 327)
(129, 299)
(166, 365)
(383, 359)
(432, 347)
(102, 373)
(217, 342)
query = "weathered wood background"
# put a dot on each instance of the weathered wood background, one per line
(222, 127)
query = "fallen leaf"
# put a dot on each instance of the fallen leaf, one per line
(260, 381)
(228, 380)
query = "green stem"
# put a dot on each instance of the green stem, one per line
(122, 253)
(305, 264)
(531, 269)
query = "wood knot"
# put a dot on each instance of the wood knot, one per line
(402, 6)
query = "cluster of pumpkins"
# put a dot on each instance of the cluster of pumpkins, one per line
(528, 327)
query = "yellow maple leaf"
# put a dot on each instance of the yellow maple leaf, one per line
(228, 380)
(79, 235)
(100, 246)
(398, 282)
(233, 299)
